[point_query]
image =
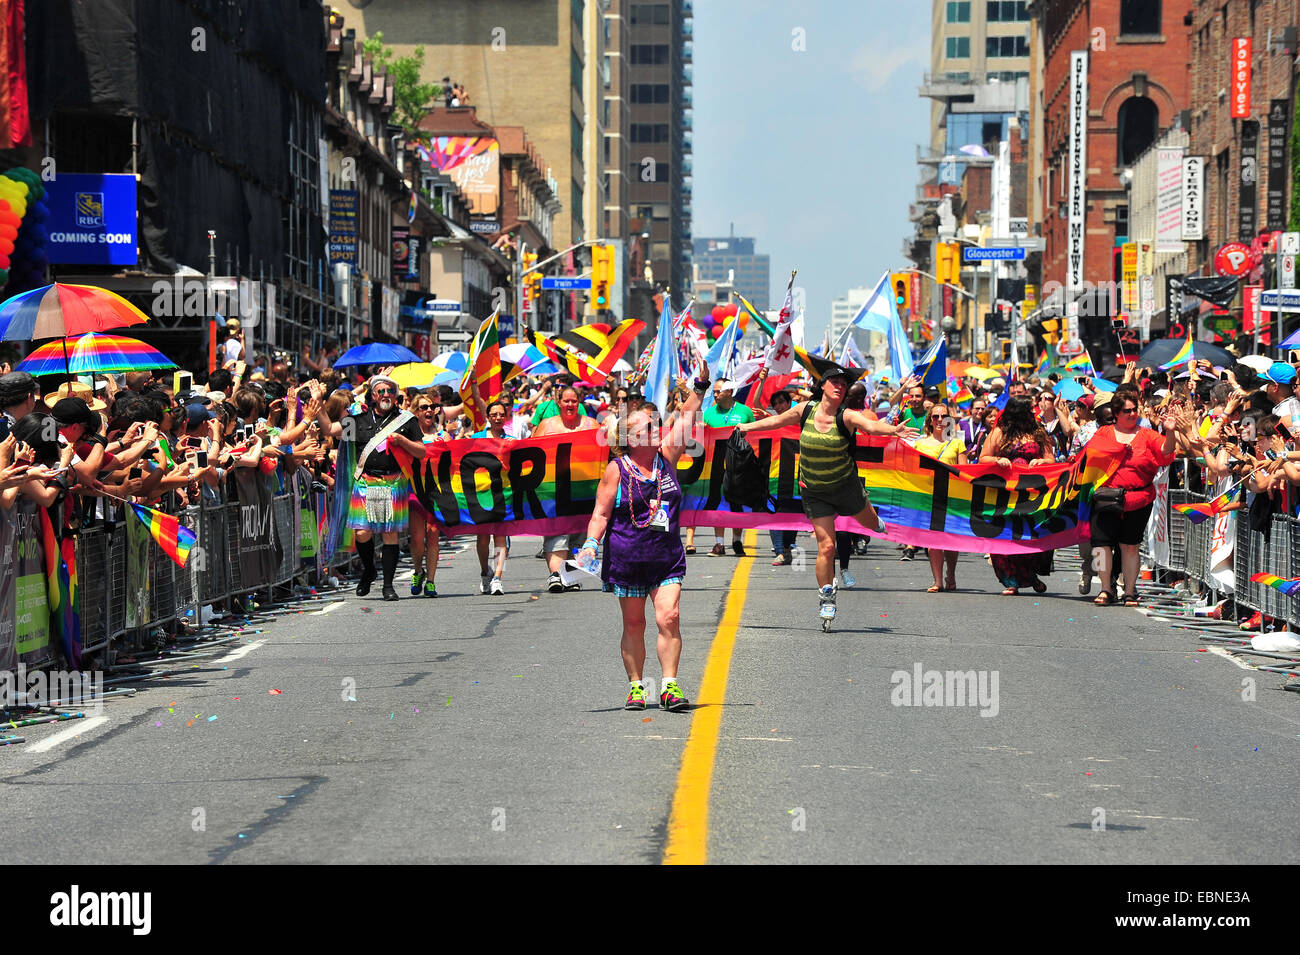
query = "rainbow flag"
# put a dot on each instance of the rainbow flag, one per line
(167, 532)
(1082, 364)
(1044, 363)
(484, 366)
(411, 207)
(61, 589)
(1287, 585)
(963, 399)
(1183, 355)
(1200, 513)
(548, 486)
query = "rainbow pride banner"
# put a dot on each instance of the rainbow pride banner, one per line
(548, 486)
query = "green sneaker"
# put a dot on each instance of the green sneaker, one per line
(636, 698)
(429, 589)
(671, 698)
(417, 585)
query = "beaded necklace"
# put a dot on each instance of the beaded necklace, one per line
(632, 488)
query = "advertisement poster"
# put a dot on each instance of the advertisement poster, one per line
(92, 219)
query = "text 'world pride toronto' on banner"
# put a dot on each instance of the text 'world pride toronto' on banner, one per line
(548, 486)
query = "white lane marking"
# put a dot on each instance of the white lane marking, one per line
(327, 608)
(242, 652)
(78, 728)
(1223, 652)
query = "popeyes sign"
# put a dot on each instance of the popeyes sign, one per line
(1240, 77)
(1232, 259)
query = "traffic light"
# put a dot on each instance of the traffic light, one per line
(1051, 329)
(602, 275)
(531, 280)
(947, 263)
(1006, 351)
(900, 282)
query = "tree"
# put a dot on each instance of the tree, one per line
(411, 98)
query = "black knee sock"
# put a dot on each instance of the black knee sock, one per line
(390, 555)
(366, 551)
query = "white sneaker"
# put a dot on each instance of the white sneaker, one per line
(847, 580)
(496, 589)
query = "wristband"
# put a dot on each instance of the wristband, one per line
(595, 544)
(701, 388)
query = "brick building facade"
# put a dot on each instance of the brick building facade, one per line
(1217, 136)
(1138, 82)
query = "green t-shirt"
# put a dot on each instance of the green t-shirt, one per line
(914, 421)
(714, 417)
(551, 409)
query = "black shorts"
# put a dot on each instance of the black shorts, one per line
(844, 501)
(1126, 528)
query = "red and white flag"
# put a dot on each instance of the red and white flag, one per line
(780, 353)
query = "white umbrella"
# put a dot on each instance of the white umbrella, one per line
(1258, 363)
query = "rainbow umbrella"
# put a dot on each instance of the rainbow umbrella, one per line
(421, 374)
(93, 354)
(529, 359)
(64, 311)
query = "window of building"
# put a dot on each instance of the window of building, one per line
(649, 54)
(607, 148)
(1139, 121)
(575, 127)
(649, 14)
(1006, 46)
(957, 47)
(1007, 11)
(649, 93)
(604, 68)
(638, 172)
(649, 132)
(958, 11)
(577, 201)
(1140, 17)
(575, 69)
(577, 6)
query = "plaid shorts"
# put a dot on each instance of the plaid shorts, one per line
(619, 591)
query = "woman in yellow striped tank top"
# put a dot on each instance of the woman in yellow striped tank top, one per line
(828, 474)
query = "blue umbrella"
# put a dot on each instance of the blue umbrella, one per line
(1071, 390)
(376, 354)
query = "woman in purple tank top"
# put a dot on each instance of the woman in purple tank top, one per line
(638, 509)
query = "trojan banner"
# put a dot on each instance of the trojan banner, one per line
(548, 486)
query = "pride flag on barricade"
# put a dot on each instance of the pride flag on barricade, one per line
(174, 538)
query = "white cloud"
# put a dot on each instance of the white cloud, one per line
(876, 63)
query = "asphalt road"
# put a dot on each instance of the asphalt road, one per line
(486, 729)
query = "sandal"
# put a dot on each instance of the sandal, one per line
(1131, 600)
(691, 549)
(1104, 599)
(1040, 587)
(950, 583)
(783, 561)
(1011, 592)
(934, 589)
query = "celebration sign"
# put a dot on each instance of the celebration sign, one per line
(548, 486)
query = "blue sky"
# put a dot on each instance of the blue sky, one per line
(813, 153)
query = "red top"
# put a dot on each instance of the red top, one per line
(1139, 462)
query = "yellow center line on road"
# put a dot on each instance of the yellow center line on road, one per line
(688, 824)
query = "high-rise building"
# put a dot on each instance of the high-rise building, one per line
(733, 259)
(521, 63)
(977, 83)
(659, 141)
(607, 146)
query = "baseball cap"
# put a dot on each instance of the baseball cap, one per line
(196, 414)
(1086, 401)
(1280, 373)
(74, 411)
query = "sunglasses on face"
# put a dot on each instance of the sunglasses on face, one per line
(379, 392)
